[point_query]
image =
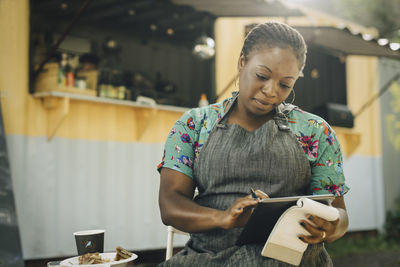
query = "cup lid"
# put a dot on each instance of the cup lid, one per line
(90, 232)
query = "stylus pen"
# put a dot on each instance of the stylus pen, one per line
(253, 193)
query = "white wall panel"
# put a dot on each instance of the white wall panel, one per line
(390, 121)
(68, 185)
(364, 201)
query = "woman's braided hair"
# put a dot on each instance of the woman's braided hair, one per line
(276, 34)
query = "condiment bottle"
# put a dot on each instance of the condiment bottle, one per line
(62, 78)
(203, 100)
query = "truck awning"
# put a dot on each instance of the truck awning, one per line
(345, 42)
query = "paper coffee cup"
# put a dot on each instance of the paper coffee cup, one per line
(89, 241)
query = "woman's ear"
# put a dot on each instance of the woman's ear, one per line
(241, 62)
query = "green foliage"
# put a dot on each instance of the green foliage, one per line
(381, 14)
(362, 243)
(355, 245)
(392, 225)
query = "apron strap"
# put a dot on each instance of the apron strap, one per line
(220, 123)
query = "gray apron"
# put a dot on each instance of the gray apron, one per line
(231, 161)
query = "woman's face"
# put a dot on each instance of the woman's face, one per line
(266, 79)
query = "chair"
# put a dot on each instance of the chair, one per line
(170, 240)
(171, 231)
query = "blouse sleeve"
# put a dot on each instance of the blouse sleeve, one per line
(179, 147)
(327, 171)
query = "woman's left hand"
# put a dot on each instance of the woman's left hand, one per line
(322, 230)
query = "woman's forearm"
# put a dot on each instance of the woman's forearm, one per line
(343, 223)
(178, 208)
(341, 227)
(186, 215)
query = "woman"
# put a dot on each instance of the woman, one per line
(250, 140)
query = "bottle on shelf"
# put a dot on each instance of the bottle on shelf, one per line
(104, 84)
(121, 92)
(62, 77)
(70, 73)
(203, 100)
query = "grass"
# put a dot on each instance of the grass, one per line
(352, 244)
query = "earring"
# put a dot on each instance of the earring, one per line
(237, 79)
(293, 97)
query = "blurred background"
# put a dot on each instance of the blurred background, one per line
(90, 89)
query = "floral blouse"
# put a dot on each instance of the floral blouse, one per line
(318, 140)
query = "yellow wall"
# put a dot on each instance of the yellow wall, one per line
(14, 46)
(362, 84)
(104, 122)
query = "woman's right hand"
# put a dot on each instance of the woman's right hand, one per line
(239, 212)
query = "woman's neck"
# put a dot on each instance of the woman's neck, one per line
(247, 120)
